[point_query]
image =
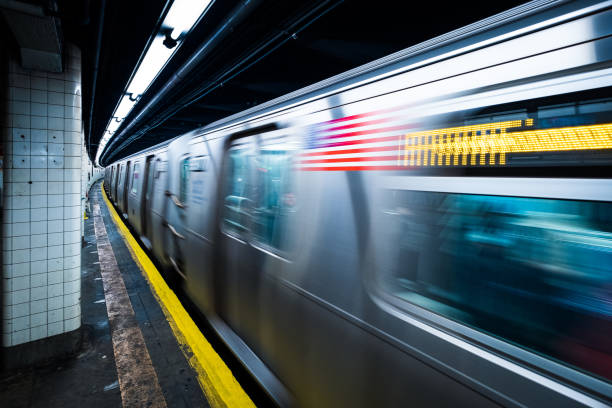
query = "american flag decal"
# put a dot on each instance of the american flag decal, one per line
(370, 141)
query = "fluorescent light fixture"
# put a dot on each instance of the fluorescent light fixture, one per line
(181, 17)
(124, 107)
(183, 14)
(154, 60)
(113, 125)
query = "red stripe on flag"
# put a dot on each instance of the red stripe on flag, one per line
(352, 151)
(354, 168)
(351, 159)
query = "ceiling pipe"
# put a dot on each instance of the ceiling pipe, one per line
(95, 73)
(226, 28)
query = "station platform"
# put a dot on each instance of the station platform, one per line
(140, 348)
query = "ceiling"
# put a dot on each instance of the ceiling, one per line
(252, 51)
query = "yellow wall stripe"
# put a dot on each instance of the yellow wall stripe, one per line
(215, 378)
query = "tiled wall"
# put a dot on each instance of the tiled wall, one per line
(41, 234)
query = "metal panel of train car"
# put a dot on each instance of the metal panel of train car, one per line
(366, 268)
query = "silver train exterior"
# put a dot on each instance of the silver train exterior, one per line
(431, 229)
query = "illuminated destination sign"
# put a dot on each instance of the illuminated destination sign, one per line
(489, 143)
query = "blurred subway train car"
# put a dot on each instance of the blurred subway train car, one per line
(431, 229)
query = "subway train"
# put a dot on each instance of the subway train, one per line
(431, 229)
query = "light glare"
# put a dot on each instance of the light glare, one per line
(183, 14)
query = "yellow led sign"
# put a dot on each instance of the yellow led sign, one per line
(452, 146)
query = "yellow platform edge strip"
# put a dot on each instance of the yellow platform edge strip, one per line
(215, 378)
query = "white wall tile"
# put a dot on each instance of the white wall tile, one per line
(38, 214)
(72, 274)
(38, 280)
(55, 200)
(38, 201)
(38, 254)
(55, 85)
(56, 98)
(74, 248)
(39, 135)
(72, 261)
(55, 226)
(56, 328)
(72, 299)
(55, 315)
(38, 109)
(72, 324)
(21, 162)
(21, 228)
(72, 287)
(55, 187)
(38, 227)
(55, 251)
(39, 96)
(55, 162)
(55, 213)
(38, 240)
(38, 306)
(38, 83)
(39, 149)
(39, 332)
(55, 290)
(55, 303)
(55, 123)
(38, 162)
(73, 224)
(55, 136)
(20, 256)
(21, 323)
(20, 121)
(20, 296)
(37, 175)
(21, 269)
(56, 111)
(38, 293)
(56, 149)
(21, 242)
(38, 187)
(38, 319)
(20, 310)
(20, 215)
(22, 94)
(54, 277)
(38, 267)
(19, 337)
(38, 122)
(55, 174)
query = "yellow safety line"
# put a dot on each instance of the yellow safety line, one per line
(215, 378)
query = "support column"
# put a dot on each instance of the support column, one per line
(41, 217)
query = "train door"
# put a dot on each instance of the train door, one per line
(157, 214)
(238, 280)
(176, 234)
(147, 196)
(114, 183)
(125, 188)
(135, 193)
(117, 183)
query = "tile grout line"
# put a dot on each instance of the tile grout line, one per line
(137, 378)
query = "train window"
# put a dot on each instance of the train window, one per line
(184, 174)
(236, 211)
(135, 175)
(535, 272)
(274, 200)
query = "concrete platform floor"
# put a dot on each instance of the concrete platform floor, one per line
(89, 378)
